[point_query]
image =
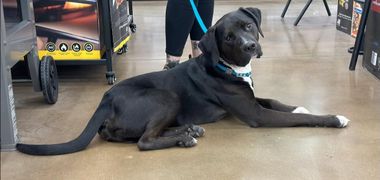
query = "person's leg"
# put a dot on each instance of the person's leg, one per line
(206, 11)
(178, 23)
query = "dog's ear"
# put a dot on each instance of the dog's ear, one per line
(208, 45)
(255, 14)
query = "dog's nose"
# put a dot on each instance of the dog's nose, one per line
(249, 46)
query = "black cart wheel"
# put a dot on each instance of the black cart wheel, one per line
(133, 27)
(111, 78)
(123, 50)
(49, 79)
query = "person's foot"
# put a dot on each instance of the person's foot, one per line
(170, 65)
(195, 49)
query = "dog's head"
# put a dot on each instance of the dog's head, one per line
(234, 38)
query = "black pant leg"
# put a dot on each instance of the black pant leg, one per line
(178, 23)
(206, 11)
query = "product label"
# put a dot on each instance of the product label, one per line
(68, 30)
(344, 16)
(357, 12)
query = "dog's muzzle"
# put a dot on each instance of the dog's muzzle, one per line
(252, 47)
(249, 47)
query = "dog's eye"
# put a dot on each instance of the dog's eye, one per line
(249, 26)
(228, 37)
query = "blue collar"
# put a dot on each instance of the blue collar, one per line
(224, 68)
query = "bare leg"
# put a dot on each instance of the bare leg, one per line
(170, 58)
(195, 49)
(171, 61)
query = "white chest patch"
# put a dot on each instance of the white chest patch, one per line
(242, 69)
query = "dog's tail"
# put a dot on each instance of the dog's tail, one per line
(103, 112)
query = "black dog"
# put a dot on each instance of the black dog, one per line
(158, 109)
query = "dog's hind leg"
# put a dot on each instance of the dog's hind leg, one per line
(166, 105)
(114, 134)
(158, 142)
(194, 130)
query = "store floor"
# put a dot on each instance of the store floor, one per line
(305, 65)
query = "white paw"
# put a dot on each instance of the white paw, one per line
(301, 110)
(188, 142)
(343, 121)
(191, 143)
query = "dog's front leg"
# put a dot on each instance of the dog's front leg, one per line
(275, 105)
(272, 118)
(250, 111)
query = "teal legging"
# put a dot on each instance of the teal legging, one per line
(180, 22)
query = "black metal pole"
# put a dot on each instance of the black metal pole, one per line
(106, 37)
(130, 4)
(360, 35)
(286, 8)
(302, 12)
(327, 7)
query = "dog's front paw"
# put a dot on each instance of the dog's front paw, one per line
(342, 120)
(301, 110)
(196, 131)
(187, 141)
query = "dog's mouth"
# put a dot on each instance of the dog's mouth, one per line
(250, 56)
(257, 53)
(242, 59)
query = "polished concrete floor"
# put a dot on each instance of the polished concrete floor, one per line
(305, 65)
